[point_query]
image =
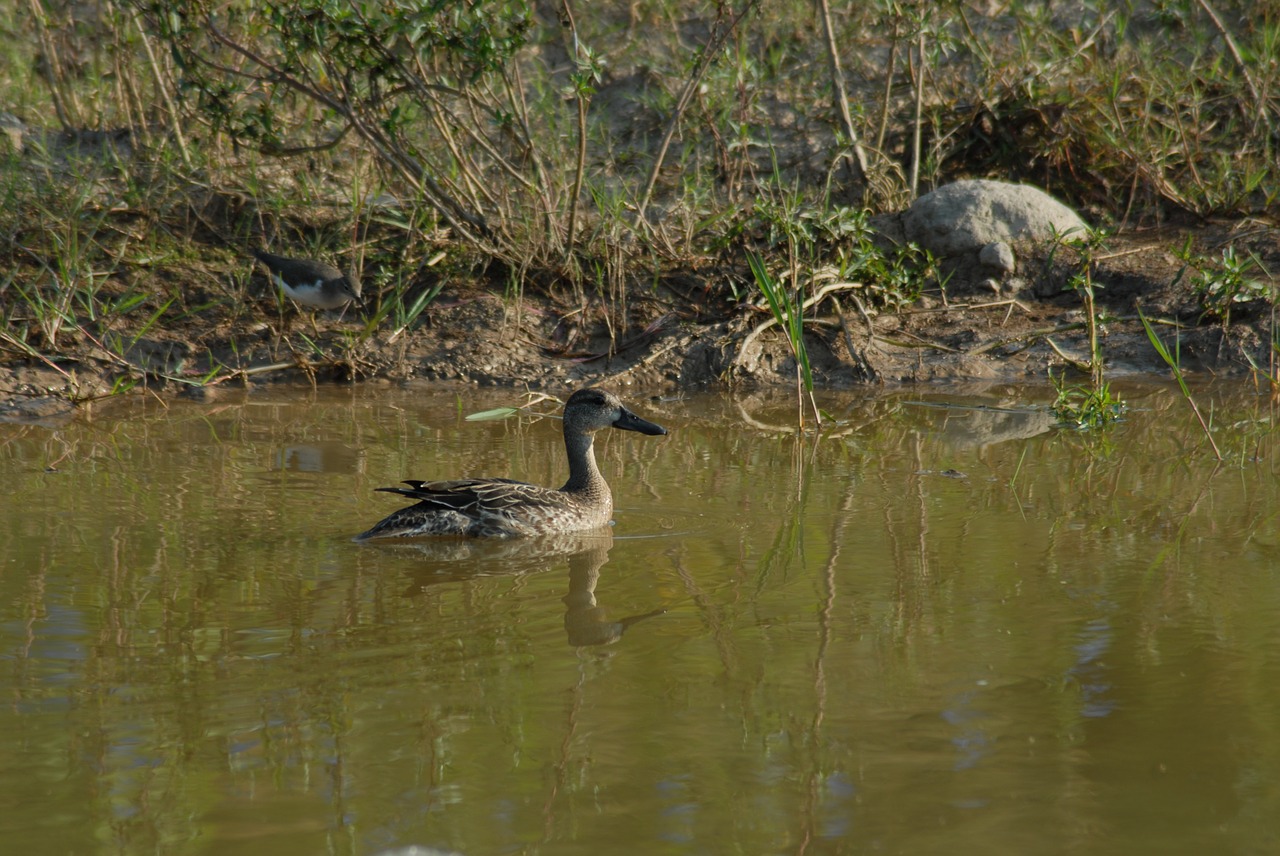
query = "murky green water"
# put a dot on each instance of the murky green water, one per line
(935, 630)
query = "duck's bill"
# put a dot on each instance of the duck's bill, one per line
(628, 421)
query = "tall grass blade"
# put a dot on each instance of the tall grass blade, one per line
(1173, 364)
(788, 313)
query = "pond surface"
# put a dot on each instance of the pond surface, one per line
(936, 629)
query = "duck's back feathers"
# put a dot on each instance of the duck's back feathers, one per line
(484, 508)
(460, 493)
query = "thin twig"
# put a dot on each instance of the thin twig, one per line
(888, 88)
(65, 103)
(175, 119)
(918, 343)
(1233, 50)
(1082, 366)
(1061, 328)
(858, 160)
(919, 117)
(720, 32)
(28, 351)
(858, 355)
(582, 98)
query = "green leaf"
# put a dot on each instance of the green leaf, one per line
(492, 415)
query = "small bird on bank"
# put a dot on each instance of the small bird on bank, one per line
(311, 283)
(502, 508)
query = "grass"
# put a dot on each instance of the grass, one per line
(580, 157)
(1222, 283)
(788, 313)
(1174, 362)
(1093, 405)
(1085, 407)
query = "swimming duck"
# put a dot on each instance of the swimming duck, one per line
(503, 508)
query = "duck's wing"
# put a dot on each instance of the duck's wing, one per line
(477, 498)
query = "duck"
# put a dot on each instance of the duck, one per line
(505, 508)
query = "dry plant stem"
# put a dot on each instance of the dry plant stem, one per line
(720, 32)
(1234, 50)
(644, 362)
(26, 350)
(856, 157)
(580, 166)
(466, 184)
(480, 116)
(122, 75)
(919, 118)
(578, 173)
(919, 342)
(515, 97)
(1045, 332)
(888, 88)
(1189, 147)
(1205, 427)
(858, 355)
(64, 101)
(1079, 365)
(472, 188)
(163, 86)
(430, 94)
(866, 319)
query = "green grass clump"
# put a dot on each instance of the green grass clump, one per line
(1220, 284)
(1093, 405)
(788, 312)
(1085, 407)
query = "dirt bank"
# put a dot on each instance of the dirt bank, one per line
(683, 333)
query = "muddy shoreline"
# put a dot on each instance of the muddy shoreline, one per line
(679, 338)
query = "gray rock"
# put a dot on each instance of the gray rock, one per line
(964, 217)
(998, 256)
(971, 227)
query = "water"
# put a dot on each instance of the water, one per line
(936, 629)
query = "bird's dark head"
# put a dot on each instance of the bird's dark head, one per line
(350, 286)
(591, 409)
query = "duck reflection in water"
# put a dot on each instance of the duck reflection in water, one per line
(586, 622)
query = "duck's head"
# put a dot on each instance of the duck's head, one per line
(588, 410)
